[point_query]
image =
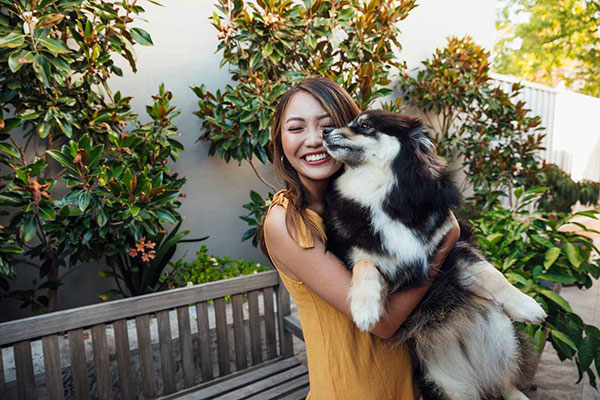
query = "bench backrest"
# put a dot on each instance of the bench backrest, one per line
(212, 304)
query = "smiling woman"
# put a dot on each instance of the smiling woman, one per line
(343, 362)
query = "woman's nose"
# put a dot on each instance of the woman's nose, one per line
(315, 137)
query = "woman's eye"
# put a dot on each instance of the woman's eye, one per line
(296, 129)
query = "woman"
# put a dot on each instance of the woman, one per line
(343, 362)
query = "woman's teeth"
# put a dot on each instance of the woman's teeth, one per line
(316, 157)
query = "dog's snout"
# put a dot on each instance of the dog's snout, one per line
(327, 131)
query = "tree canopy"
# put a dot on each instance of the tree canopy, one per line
(549, 41)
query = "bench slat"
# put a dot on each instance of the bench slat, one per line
(245, 378)
(2, 382)
(264, 384)
(238, 332)
(287, 388)
(254, 319)
(101, 362)
(166, 351)
(24, 366)
(81, 383)
(145, 351)
(187, 350)
(283, 310)
(270, 333)
(204, 339)
(222, 340)
(124, 359)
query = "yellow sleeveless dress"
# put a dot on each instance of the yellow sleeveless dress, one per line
(343, 362)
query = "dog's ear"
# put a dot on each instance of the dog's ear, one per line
(422, 139)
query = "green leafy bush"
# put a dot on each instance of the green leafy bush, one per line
(532, 249)
(475, 121)
(80, 182)
(270, 44)
(207, 268)
(563, 192)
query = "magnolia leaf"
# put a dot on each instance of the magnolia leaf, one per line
(55, 46)
(141, 36)
(12, 40)
(50, 20)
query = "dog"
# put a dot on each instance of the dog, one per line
(391, 204)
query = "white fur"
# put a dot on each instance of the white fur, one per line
(489, 355)
(486, 281)
(367, 298)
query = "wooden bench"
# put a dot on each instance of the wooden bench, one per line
(254, 356)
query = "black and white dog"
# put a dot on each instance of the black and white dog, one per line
(391, 204)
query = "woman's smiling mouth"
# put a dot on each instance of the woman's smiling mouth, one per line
(316, 158)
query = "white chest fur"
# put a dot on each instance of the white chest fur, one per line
(369, 186)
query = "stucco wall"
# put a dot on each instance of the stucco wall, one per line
(182, 56)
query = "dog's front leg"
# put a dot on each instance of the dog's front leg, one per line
(367, 294)
(486, 281)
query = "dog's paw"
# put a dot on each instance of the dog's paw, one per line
(524, 309)
(366, 307)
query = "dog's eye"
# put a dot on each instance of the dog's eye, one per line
(364, 125)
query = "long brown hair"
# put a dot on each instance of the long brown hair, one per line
(341, 108)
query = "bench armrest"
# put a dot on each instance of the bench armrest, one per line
(292, 324)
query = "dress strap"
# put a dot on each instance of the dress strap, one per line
(305, 237)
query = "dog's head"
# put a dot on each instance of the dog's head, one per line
(378, 137)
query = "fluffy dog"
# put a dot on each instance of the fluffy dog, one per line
(391, 204)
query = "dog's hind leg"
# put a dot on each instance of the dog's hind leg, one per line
(483, 279)
(367, 295)
(514, 394)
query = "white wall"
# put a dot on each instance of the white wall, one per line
(432, 21)
(183, 56)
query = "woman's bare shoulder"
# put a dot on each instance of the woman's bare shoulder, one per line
(281, 244)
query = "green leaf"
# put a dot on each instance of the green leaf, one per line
(558, 335)
(541, 240)
(9, 149)
(18, 58)
(551, 256)
(556, 298)
(586, 352)
(256, 197)
(12, 40)
(55, 46)
(47, 212)
(94, 156)
(267, 50)
(538, 340)
(573, 255)
(63, 160)
(518, 192)
(28, 227)
(141, 36)
(83, 200)
(556, 278)
(41, 67)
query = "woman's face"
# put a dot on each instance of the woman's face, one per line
(302, 128)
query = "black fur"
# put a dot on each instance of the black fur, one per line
(421, 200)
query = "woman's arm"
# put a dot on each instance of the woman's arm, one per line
(329, 278)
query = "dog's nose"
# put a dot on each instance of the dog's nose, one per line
(327, 131)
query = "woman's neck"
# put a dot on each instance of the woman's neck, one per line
(316, 189)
